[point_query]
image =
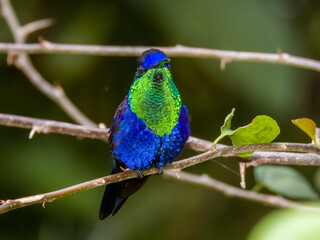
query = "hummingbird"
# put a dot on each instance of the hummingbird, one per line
(149, 129)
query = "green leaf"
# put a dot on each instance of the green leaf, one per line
(262, 129)
(308, 126)
(317, 179)
(287, 224)
(285, 181)
(225, 129)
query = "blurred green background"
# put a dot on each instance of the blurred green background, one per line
(164, 208)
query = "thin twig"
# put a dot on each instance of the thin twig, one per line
(174, 51)
(23, 62)
(37, 25)
(231, 191)
(49, 126)
(283, 159)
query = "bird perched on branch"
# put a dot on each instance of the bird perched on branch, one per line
(149, 129)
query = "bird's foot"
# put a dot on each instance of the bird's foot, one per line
(161, 169)
(140, 174)
(124, 169)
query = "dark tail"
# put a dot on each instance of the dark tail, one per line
(116, 194)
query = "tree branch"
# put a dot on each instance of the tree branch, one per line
(22, 61)
(36, 26)
(46, 47)
(49, 126)
(277, 152)
(46, 126)
(231, 191)
(301, 159)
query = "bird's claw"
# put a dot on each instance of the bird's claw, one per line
(140, 174)
(161, 169)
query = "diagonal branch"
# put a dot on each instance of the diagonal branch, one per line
(36, 26)
(203, 180)
(23, 62)
(231, 191)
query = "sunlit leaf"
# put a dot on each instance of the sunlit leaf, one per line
(262, 129)
(285, 181)
(307, 125)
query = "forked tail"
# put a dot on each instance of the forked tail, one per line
(116, 194)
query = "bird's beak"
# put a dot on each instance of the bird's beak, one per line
(163, 62)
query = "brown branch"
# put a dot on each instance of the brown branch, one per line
(36, 26)
(46, 47)
(9, 205)
(277, 152)
(301, 159)
(46, 126)
(23, 62)
(49, 126)
(231, 191)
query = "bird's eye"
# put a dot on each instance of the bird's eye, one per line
(141, 71)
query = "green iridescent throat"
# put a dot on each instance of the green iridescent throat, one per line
(156, 100)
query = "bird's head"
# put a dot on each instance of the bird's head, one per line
(154, 63)
(153, 95)
(153, 71)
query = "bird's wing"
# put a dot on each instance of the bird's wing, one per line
(117, 119)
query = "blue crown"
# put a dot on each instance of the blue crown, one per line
(151, 58)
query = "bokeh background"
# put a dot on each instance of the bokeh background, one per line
(163, 208)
